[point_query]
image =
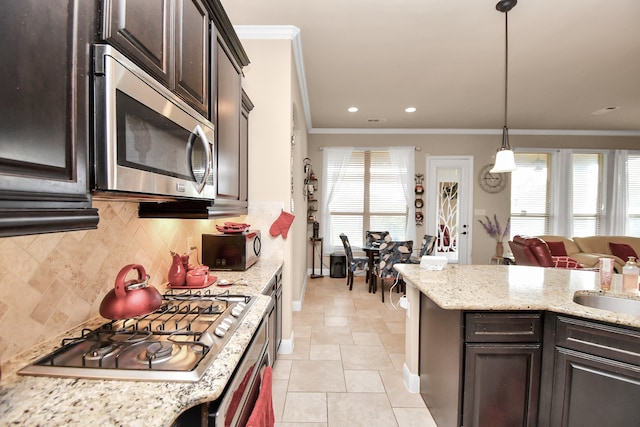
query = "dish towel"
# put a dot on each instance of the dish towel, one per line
(262, 414)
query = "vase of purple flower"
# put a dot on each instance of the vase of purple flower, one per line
(494, 230)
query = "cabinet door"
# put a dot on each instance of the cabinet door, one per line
(192, 53)
(44, 129)
(591, 391)
(142, 30)
(227, 123)
(501, 385)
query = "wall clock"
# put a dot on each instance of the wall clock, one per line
(491, 182)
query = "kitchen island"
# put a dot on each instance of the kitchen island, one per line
(28, 400)
(468, 324)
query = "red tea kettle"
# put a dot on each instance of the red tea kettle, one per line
(132, 298)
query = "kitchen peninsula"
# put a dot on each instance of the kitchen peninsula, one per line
(29, 400)
(506, 345)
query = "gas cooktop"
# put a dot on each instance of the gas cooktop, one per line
(177, 342)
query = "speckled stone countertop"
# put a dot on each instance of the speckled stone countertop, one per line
(497, 287)
(26, 400)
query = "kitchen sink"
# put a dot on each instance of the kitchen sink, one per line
(618, 304)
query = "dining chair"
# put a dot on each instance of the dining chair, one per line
(374, 239)
(428, 245)
(378, 237)
(391, 253)
(353, 263)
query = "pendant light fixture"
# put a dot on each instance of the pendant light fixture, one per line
(505, 161)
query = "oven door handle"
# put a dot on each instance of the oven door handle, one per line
(198, 133)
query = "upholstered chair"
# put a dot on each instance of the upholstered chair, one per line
(428, 245)
(353, 263)
(391, 253)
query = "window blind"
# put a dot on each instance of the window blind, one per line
(530, 199)
(369, 196)
(633, 195)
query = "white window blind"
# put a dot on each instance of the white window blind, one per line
(633, 195)
(587, 193)
(561, 191)
(369, 196)
(530, 201)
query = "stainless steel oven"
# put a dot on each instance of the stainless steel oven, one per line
(239, 397)
(148, 143)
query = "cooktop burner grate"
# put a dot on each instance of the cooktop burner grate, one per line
(177, 342)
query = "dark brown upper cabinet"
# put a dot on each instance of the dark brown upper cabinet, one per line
(170, 39)
(44, 116)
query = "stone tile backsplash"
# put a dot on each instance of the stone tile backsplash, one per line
(52, 282)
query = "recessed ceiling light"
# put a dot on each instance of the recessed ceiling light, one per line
(410, 109)
(605, 110)
(352, 109)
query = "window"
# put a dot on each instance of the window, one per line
(587, 194)
(530, 194)
(559, 192)
(633, 195)
(368, 195)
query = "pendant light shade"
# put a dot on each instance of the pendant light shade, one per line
(505, 161)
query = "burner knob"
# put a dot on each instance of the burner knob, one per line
(227, 321)
(236, 311)
(224, 326)
(220, 331)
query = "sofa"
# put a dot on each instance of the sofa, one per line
(587, 251)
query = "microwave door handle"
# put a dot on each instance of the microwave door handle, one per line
(198, 132)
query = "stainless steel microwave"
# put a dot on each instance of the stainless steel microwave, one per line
(236, 252)
(148, 143)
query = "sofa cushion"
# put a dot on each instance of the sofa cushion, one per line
(622, 251)
(565, 262)
(569, 245)
(557, 248)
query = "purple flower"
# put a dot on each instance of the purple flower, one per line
(494, 230)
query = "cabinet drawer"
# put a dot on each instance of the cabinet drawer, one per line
(503, 327)
(599, 339)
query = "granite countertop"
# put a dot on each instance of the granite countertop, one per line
(28, 400)
(498, 287)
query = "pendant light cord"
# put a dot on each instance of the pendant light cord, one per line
(506, 64)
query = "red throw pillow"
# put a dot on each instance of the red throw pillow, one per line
(557, 248)
(622, 251)
(565, 262)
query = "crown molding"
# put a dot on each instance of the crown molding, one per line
(538, 132)
(283, 32)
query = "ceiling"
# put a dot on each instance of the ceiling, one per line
(567, 60)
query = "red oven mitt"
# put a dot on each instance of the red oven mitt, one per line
(282, 224)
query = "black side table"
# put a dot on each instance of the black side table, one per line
(314, 242)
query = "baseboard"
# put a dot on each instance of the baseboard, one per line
(297, 305)
(286, 346)
(411, 381)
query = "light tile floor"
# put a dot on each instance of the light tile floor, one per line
(346, 368)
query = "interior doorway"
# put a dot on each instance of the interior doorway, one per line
(449, 187)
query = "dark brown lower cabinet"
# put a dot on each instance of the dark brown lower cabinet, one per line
(596, 380)
(501, 385)
(502, 365)
(480, 369)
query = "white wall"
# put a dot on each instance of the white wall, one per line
(275, 164)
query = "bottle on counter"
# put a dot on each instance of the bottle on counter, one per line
(630, 275)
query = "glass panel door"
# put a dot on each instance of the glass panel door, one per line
(448, 193)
